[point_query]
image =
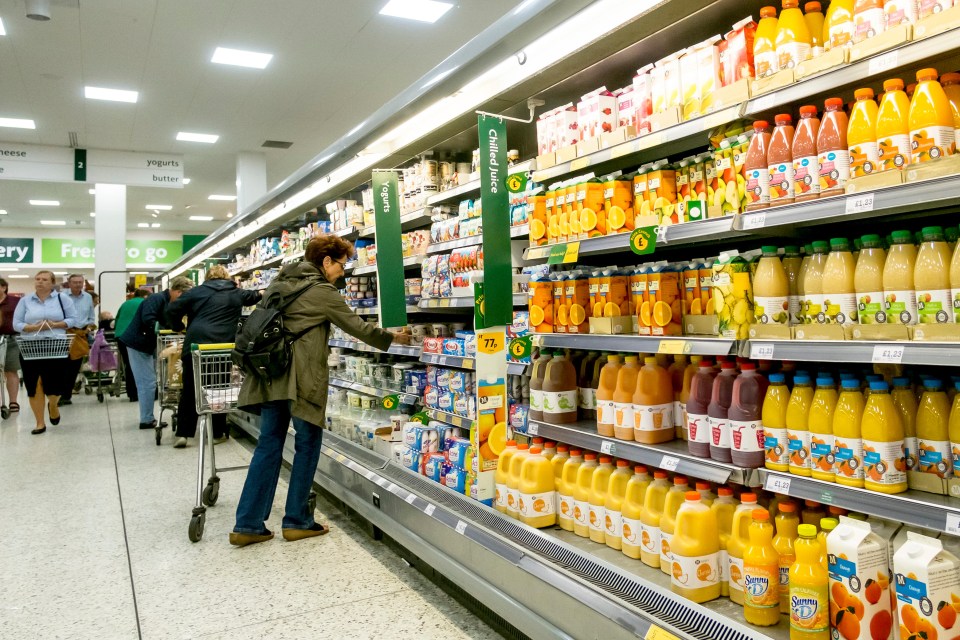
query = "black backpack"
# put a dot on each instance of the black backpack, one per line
(263, 347)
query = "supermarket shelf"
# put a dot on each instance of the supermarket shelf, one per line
(374, 311)
(450, 245)
(413, 261)
(469, 188)
(672, 456)
(928, 510)
(915, 353)
(405, 398)
(450, 418)
(449, 361)
(359, 271)
(293, 257)
(408, 263)
(408, 221)
(694, 345)
(269, 262)
(397, 350)
(517, 368)
(466, 302)
(520, 231)
(347, 233)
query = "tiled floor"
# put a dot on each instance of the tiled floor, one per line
(94, 545)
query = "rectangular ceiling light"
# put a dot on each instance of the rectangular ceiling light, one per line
(3, 31)
(45, 203)
(421, 10)
(186, 136)
(17, 123)
(54, 223)
(3, 212)
(93, 214)
(18, 275)
(112, 95)
(154, 225)
(159, 207)
(201, 218)
(186, 181)
(143, 225)
(240, 58)
(227, 198)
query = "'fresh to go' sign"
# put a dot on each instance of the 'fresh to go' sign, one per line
(81, 251)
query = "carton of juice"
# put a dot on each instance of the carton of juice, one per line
(736, 58)
(708, 72)
(566, 126)
(696, 207)
(662, 193)
(571, 212)
(638, 293)
(549, 206)
(690, 276)
(740, 169)
(560, 308)
(712, 176)
(598, 113)
(597, 300)
(540, 304)
(593, 214)
(672, 85)
(642, 100)
(559, 203)
(683, 187)
(618, 294)
(537, 205)
(928, 585)
(626, 107)
(706, 289)
(576, 225)
(658, 89)
(661, 311)
(733, 295)
(618, 202)
(545, 133)
(726, 195)
(641, 206)
(689, 85)
(578, 301)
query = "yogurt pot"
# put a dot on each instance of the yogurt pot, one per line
(398, 375)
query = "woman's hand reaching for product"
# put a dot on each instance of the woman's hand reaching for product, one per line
(401, 338)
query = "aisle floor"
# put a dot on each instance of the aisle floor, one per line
(95, 546)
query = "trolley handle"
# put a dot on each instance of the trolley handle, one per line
(220, 346)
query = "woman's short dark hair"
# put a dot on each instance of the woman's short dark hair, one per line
(327, 245)
(3, 283)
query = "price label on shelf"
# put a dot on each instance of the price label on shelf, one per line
(761, 351)
(754, 221)
(608, 448)
(888, 354)
(461, 527)
(533, 428)
(579, 163)
(623, 149)
(429, 509)
(410, 499)
(673, 347)
(885, 62)
(657, 633)
(860, 203)
(669, 463)
(764, 102)
(953, 524)
(777, 484)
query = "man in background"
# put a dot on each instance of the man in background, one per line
(86, 321)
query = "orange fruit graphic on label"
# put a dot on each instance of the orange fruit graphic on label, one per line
(616, 217)
(578, 315)
(610, 310)
(537, 229)
(662, 314)
(588, 219)
(645, 314)
(539, 505)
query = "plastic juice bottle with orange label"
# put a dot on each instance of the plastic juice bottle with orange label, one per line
(761, 573)
(581, 495)
(599, 483)
(695, 570)
(613, 505)
(868, 19)
(538, 491)
(566, 490)
(813, 310)
(537, 372)
(771, 289)
(774, 418)
(820, 423)
(560, 390)
(797, 420)
(931, 279)
(513, 480)
(899, 293)
(953, 426)
(833, 155)
(893, 126)
(757, 168)
(933, 431)
(671, 504)
(884, 459)
(900, 12)
(848, 442)
(652, 410)
(764, 44)
(951, 86)
(724, 507)
(737, 544)
(780, 161)
(623, 398)
(932, 133)
(786, 522)
(837, 284)
(862, 135)
(793, 41)
(653, 501)
(905, 400)
(868, 281)
(597, 368)
(813, 14)
(838, 26)
(676, 370)
(806, 164)
(808, 589)
(606, 415)
(631, 511)
(500, 478)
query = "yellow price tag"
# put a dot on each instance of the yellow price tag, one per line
(579, 163)
(572, 252)
(656, 633)
(674, 347)
(490, 343)
(444, 302)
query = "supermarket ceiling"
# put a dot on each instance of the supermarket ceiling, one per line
(334, 63)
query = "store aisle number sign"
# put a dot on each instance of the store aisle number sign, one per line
(386, 207)
(494, 196)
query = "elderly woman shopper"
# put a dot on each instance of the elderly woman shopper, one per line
(44, 314)
(212, 311)
(300, 393)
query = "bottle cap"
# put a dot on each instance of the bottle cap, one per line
(650, 361)
(926, 74)
(768, 12)
(800, 378)
(534, 451)
(562, 447)
(900, 382)
(660, 475)
(537, 441)
(640, 469)
(623, 464)
(728, 365)
(828, 524)
(791, 249)
(749, 498)
(950, 78)
(791, 4)
(724, 491)
(807, 531)
(769, 250)
(893, 84)
(706, 363)
(932, 233)
(783, 119)
(836, 511)
(606, 459)
(590, 456)
(692, 496)
(760, 515)
(787, 507)
(839, 244)
(821, 246)
(878, 385)
(511, 443)
(703, 486)
(777, 378)
(549, 444)
(902, 237)
(678, 480)
(833, 104)
(933, 384)
(808, 248)
(850, 384)
(824, 380)
(871, 240)
(863, 94)
(760, 125)
(811, 503)
(523, 446)
(812, 7)
(846, 375)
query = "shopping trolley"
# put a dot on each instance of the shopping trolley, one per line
(104, 373)
(169, 346)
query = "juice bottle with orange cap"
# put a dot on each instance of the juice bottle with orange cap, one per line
(623, 398)
(932, 133)
(838, 26)
(774, 419)
(792, 41)
(764, 43)
(707, 496)
(567, 488)
(862, 134)
(613, 505)
(581, 495)
(868, 19)
(500, 478)
(780, 160)
(893, 126)
(761, 573)
(813, 15)
(900, 12)
(737, 544)
(631, 511)
(884, 458)
(652, 404)
(537, 490)
(557, 462)
(513, 479)
(695, 570)
(951, 87)
(806, 165)
(833, 155)
(808, 589)
(786, 523)
(599, 482)
(724, 507)
(757, 168)
(653, 500)
(671, 504)
(607, 386)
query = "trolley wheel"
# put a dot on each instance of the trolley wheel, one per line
(88, 390)
(4, 412)
(312, 502)
(158, 433)
(196, 527)
(211, 492)
(174, 420)
(99, 396)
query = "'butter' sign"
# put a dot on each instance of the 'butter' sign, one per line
(16, 250)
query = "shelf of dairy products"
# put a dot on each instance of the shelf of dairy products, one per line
(519, 231)
(464, 302)
(398, 350)
(413, 220)
(861, 351)
(671, 456)
(458, 192)
(347, 233)
(928, 510)
(269, 262)
(456, 362)
(405, 398)
(293, 257)
(691, 345)
(408, 263)
(449, 418)
(359, 271)
(373, 311)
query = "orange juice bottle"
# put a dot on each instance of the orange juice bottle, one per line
(724, 507)
(613, 505)
(538, 491)
(838, 26)
(905, 401)
(808, 589)
(737, 545)
(761, 573)
(847, 437)
(500, 479)
(933, 430)
(820, 421)
(764, 43)
(868, 19)
(826, 526)
(893, 126)
(652, 404)
(932, 133)
(953, 426)
(786, 523)
(793, 41)
(653, 500)
(695, 570)
(884, 459)
(557, 462)
(813, 14)
(668, 519)
(632, 510)
(862, 135)
(797, 419)
(599, 482)
(513, 480)
(951, 87)
(581, 495)
(606, 414)
(567, 488)
(774, 418)
(623, 398)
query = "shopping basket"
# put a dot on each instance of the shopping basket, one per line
(45, 348)
(169, 345)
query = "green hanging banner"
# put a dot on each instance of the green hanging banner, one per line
(386, 207)
(494, 196)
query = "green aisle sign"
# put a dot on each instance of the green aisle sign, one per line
(386, 207)
(497, 266)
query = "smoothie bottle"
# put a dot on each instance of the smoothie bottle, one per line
(847, 437)
(764, 43)
(581, 495)
(838, 26)
(814, 312)
(862, 134)
(791, 267)
(594, 374)
(744, 416)
(560, 390)
(761, 573)
(717, 410)
(676, 370)
(813, 14)
(668, 520)
(793, 41)
(951, 87)
(932, 133)
(623, 398)
(586, 393)
(537, 371)
(724, 507)
(806, 164)
(899, 294)
(632, 510)
(537, 506)
(774, 418)
(931, 279)
(653, 404)
(737, 544)
(606, 387)
(613, 507)
(801, 316)
(597, 515)
(695, 548)
(566, 491)
(650, 519)
(933, 431)
(812, 512)
(893, 126)
(820, 422)
(900, 12)
(833, 154)
(905, 400)
(953, 426)
(884, 459)
(868, 281)
(868, 19)
(808, 588)
(797, 419)
(757, 168)
(786, 522)
(680, 406)
(837, 284)
(500, 478)
(698, 422)
(780, 160)
(771, 290)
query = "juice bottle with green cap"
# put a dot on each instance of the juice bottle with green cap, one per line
(905, 401)
(813, 284)
(764, 45)
(933, 430)
(847, 437)
(650, 516)
(694, 571)
(884, 459)
(893, 126)
(761, 573)
(737, 544)
(792, 41)
(771, 290)
(899, 294)
(566, 490)
(668, 520)
(931, 279)
(820, 422)
(791, 267)
(808, 589)
(631, 511)
(774, 418)
(868, 281)
(862, 134)
(613, 505)
(837, 284)
(724, 507)
(797, 420)
(786, 523)
(932, 133)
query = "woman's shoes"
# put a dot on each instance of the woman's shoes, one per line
(52, 406)
(317, 529)
(39, 430)
(243, 539)
(181, 443)
(14, 407)
(54, 421)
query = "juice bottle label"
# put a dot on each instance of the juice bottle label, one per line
(776, 446)
(900, 12)
(894, 151)
(723, 567)
(720, 433)
(840, 308)
(761, 586)
(623, 415)
(613, 523)
(806, 176)
(808, 609)
(821, 452)
(864, 159)
(813, 309)
(605, 411)
(848, 457)
(536, 400)
(632, 531)
(834, 169)
(533, 505)
(930, 7)
(566, 506)
(758, 186)
(696, 572)
(735, 573)
(679, 414)
(901, 306)
(841, 34)
(501, 496)
(868, 23)
(934, 307)
(870, 308)
(796, 309)
(747, 435)
(698, 428)
(772, 309)
(932, 143)
(799, 450)
(513, 500)
(597, 515)
(790, 54)
(666, 557)
(653, 417)
(936, 456)
(955, 450)
(910, 448)
(650, 538)
(559, 402)
(765, 63)
(588, 398)
(781, 179)
(956, 305)
(581, 512)
(884, 462)
(785, 562)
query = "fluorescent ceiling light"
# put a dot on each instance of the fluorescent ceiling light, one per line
(54, 223)
(60, 273)
(186, 181)
(92, 192)
(159, 207)
(3, 212)
(155, 225)
(201, 218)
(186, 136)
(18, 275)
(112, 95)
(240, 58)
(422, 10)
(143, 225)
(227, 198)
(45, 203)
(93, 214)
(229, 214)
(5, 269)
(17, 123)
(3, 31)
(139, 273)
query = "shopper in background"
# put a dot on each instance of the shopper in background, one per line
(11, 363)
(86, 322)
(44, 314)
(124, 315)
(300, 393)
(140, 338)
(212, 310)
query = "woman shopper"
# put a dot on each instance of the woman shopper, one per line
(212, 310)
(44, 314)
(11, 364)
(301, 392)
